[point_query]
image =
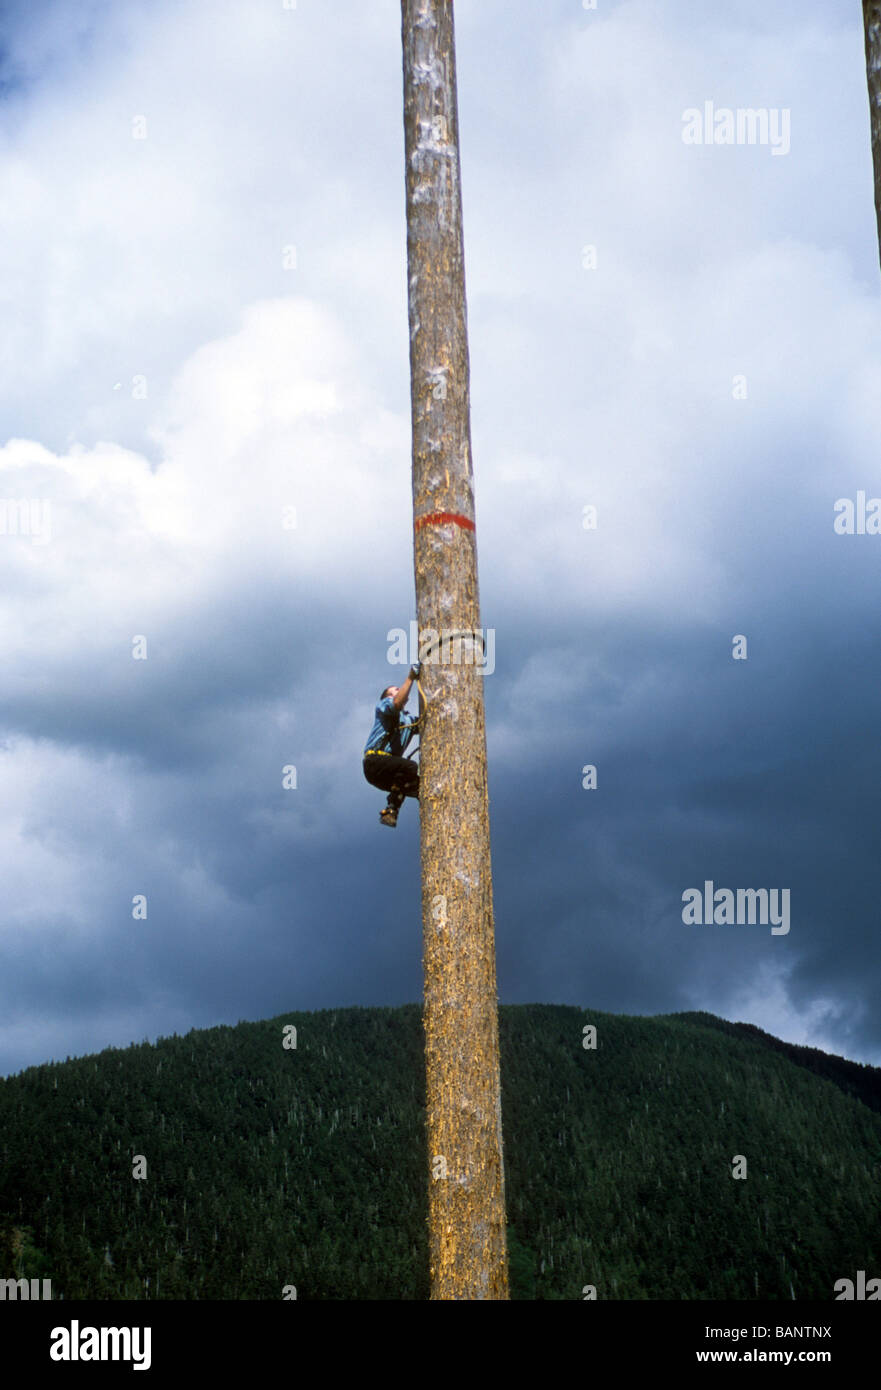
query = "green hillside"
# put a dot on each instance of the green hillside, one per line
(855, 1078)
(270, 1166)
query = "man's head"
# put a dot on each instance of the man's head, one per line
(390, 690)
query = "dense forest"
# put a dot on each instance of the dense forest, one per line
(233, 1164)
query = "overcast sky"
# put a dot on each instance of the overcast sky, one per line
(203, 278)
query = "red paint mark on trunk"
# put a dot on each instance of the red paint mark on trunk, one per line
(442, 518)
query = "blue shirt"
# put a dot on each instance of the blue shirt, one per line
(391, 731)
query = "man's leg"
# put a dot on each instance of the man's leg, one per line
(403, 781)
(387, 772)
(400, 778)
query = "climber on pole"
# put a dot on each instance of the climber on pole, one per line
(384, 763)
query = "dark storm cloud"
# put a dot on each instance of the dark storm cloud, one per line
(164, 777)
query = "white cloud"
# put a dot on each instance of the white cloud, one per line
(279, 415)
(767, 1003)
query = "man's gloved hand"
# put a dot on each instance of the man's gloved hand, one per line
(416, 670)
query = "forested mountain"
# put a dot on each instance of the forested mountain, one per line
(268, 1165)
(856, 1078)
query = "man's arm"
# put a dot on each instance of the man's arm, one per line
(400, 700)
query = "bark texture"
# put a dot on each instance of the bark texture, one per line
(466, 1177)
(872, 24)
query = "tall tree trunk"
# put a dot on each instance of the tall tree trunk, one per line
(872, 23)
(466, 1177)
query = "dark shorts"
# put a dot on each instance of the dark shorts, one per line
(389, 773)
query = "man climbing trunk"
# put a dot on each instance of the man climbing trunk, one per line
(384, 763)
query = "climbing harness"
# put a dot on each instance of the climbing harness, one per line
(446, 637)
(423, 701)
